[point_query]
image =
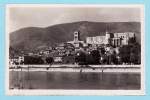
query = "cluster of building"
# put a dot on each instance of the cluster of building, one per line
(17, 59)
(114, 39)
(71, 48)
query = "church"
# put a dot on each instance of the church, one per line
(76, 41)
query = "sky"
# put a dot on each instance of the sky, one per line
(37, 16)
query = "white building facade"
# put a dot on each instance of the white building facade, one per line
(114, 39)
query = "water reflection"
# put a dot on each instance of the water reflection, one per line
(73, 80)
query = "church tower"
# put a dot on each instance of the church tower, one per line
(76, 36)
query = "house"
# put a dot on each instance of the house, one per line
(16, 60)
(57, 59)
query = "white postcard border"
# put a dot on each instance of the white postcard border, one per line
(76, 92)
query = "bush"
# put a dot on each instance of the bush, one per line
(49, 60)
(33, 60)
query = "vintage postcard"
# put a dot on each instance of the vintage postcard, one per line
(66, 49)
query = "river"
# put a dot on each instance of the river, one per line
(73, 80)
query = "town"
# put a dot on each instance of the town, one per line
(110, 49)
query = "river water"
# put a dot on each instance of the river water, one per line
(74, 80)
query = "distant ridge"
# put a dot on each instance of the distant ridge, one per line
(31, 38)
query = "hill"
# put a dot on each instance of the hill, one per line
(32, 38)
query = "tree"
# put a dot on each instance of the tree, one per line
(125, 53)
(33, 60)
(49, 60)
(131, 53)
(96, 56)
(135, 54)
(110, 55)
(80, 58)
(89, 59)
(102, 51)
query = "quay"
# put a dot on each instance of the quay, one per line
(78, 68)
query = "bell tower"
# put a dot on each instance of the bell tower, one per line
(76, 36)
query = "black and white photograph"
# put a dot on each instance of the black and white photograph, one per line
(66, 49)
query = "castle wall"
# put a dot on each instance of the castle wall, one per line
(116, 40)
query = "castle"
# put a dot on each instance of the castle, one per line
(114, 39)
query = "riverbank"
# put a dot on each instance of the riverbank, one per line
(71, 65)
(79, 69)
